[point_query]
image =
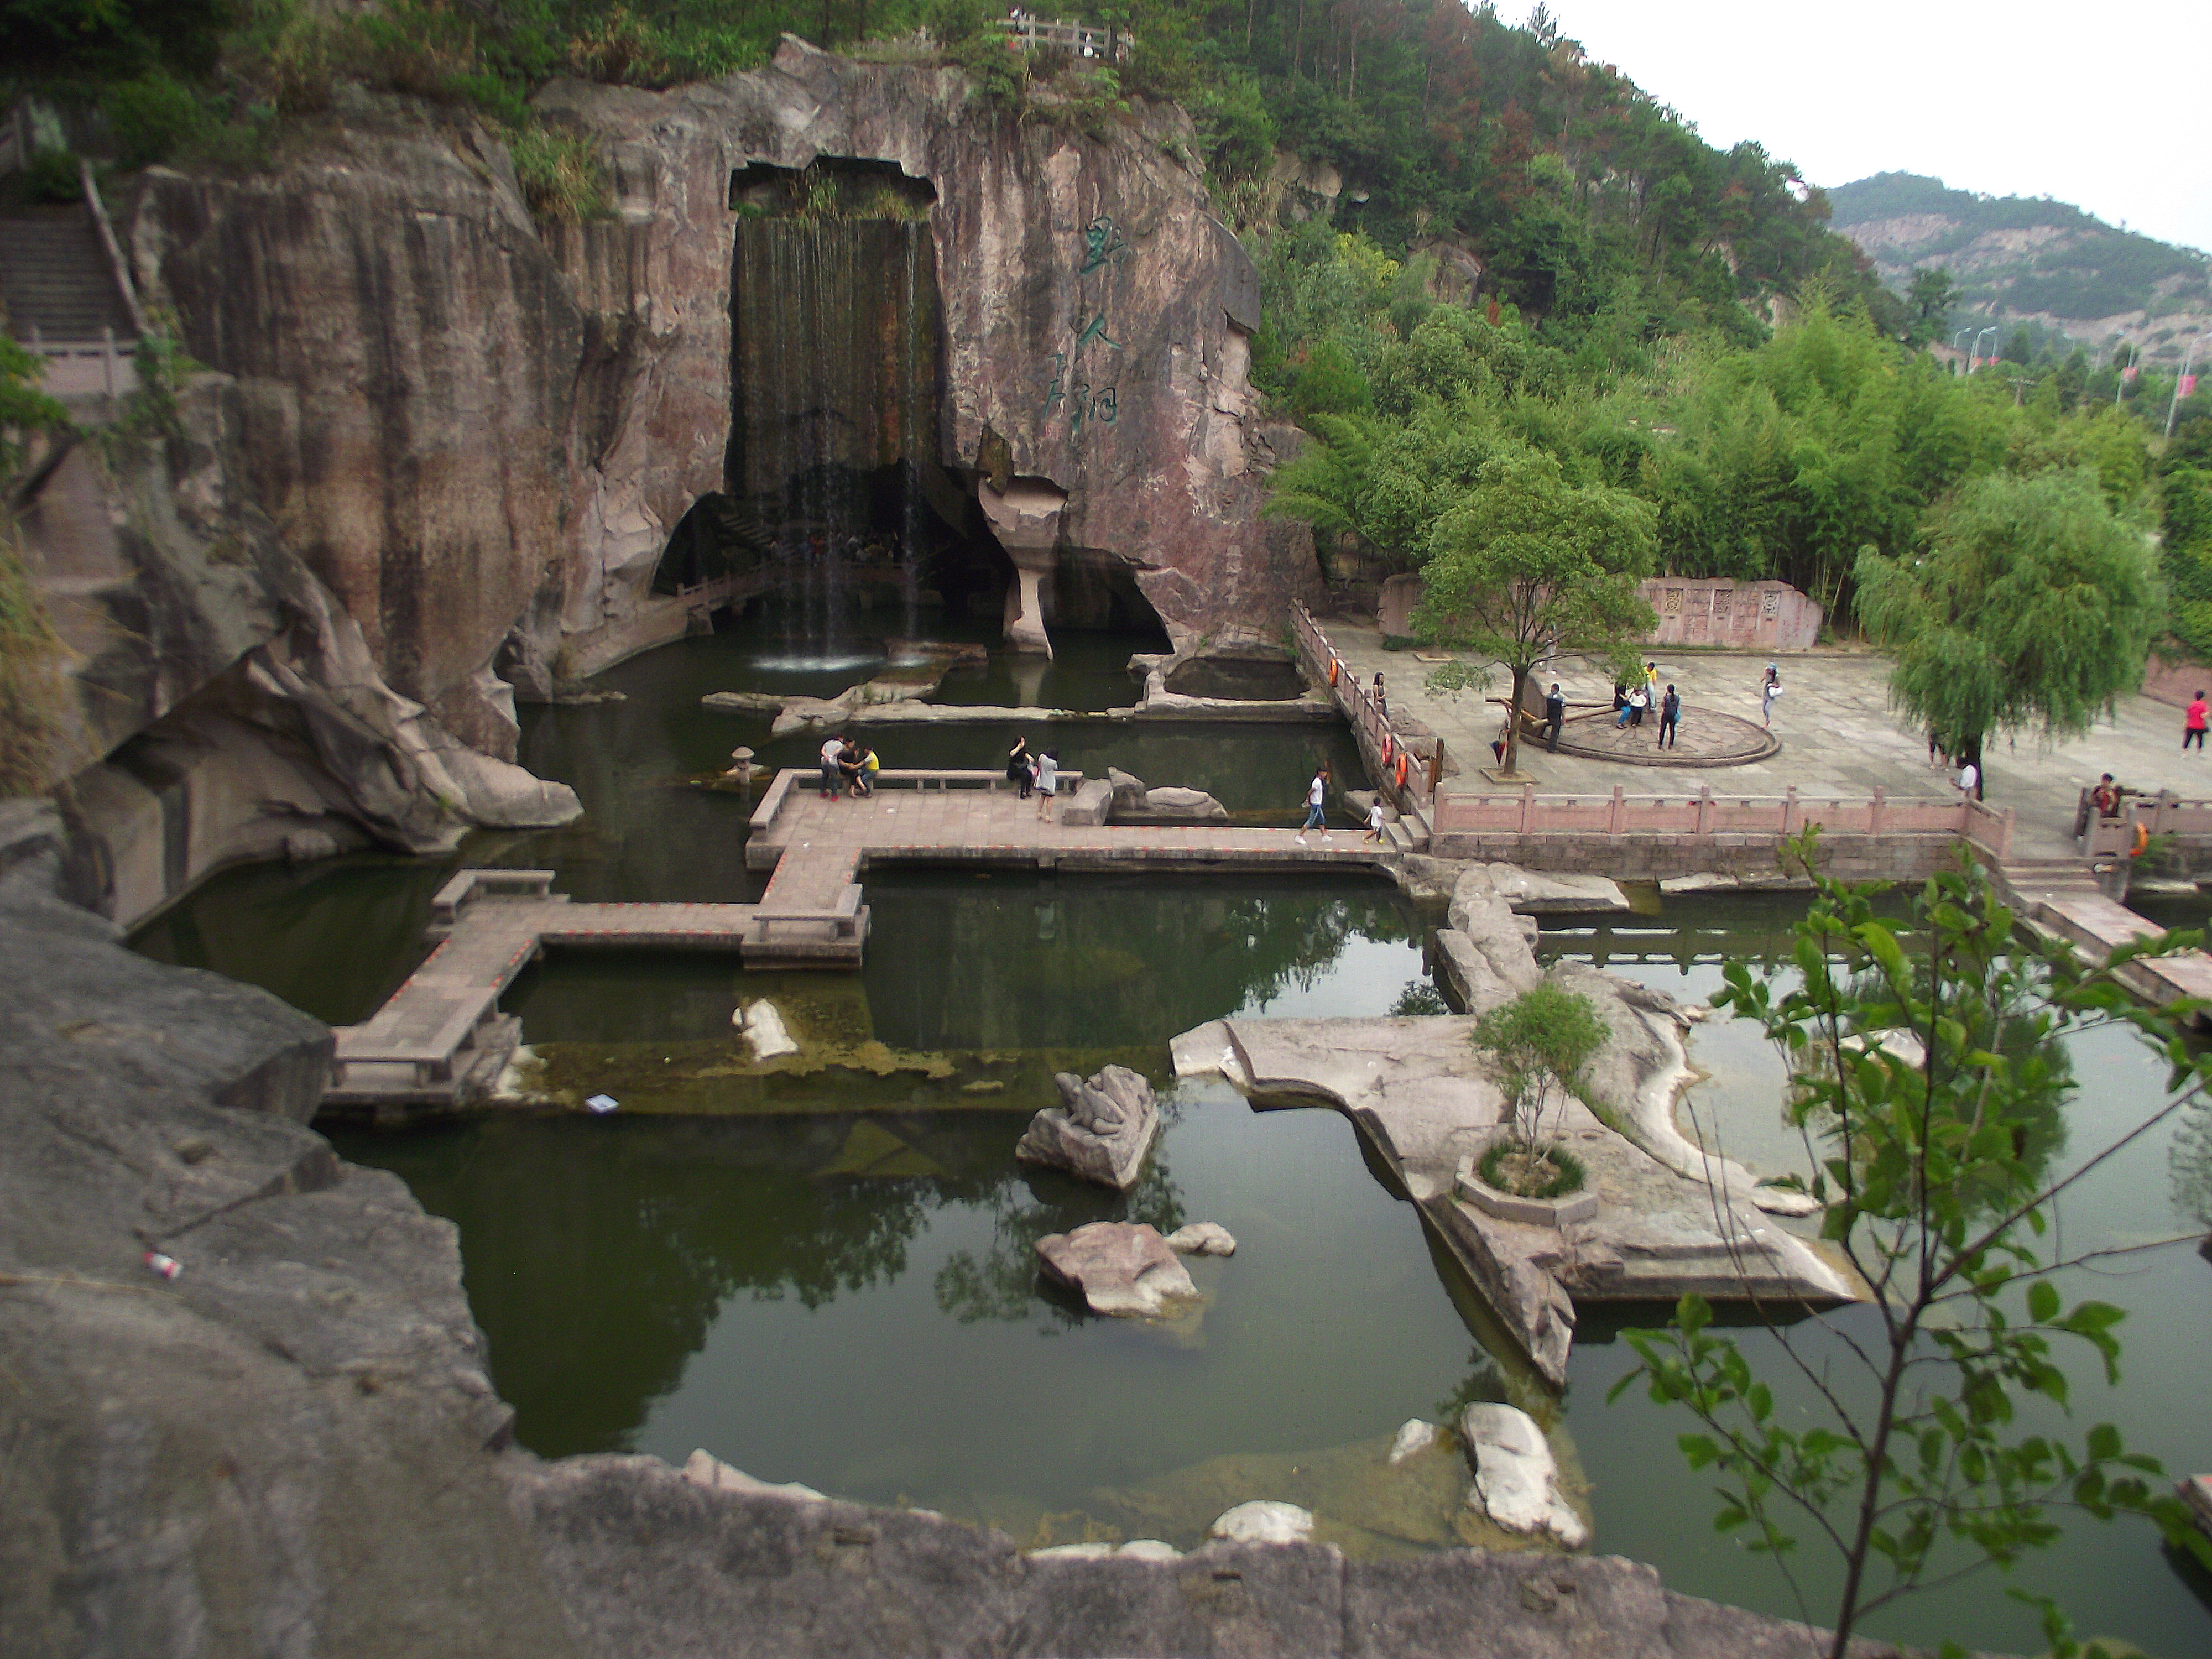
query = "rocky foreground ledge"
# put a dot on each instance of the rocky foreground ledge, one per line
(292, 1448)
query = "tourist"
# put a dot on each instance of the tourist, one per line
(832, 776)
(849, 767)
(2193, 723)
(1651, 681)
(1937, 755)
(869, 767)
(1969, 781)
(2105, 797)
(1555, 716)
(1497, 743)
(1375, 819)
(1018, 766)
(1768, 691)
(1381, 702)
(1631, 710)
(1316, 793)
(1670, 718)
(1620, 694)
(1047, 780)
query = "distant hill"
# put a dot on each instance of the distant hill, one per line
(2021, 256)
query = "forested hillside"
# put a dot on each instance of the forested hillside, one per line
(2021, 256)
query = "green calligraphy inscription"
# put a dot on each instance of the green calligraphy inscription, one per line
(1103, 241)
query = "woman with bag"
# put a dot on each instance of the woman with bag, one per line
(1768, 692)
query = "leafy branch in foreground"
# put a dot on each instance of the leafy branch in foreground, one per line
(1925, 1067)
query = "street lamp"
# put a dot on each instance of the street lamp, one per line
(1960, 336)
(2181, 379)
(1976, 353)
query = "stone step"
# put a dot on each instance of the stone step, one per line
(54, 277)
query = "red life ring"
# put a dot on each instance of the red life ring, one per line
(1336, 668)
(1389, 748)
(2142, 839)
(1403, 768)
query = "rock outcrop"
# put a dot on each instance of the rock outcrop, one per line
(1202, 1238)
(482, 433)
(1124, 1270)
(1102, 1130)
(1263, 1520)
(244, 714)
(1517, 1478)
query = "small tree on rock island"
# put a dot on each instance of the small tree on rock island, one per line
(1527, 567)
(2034, 606)
(1925, 1076)
(1540, 1040)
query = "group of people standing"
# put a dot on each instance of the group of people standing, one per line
(1037, 775)
(1630, 703)
(849, 767)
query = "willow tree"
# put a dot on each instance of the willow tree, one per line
(1527, 567)
(2034, 608)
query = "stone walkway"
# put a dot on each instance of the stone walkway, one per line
(1839, 736)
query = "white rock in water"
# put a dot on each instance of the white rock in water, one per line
(1264, 1521)
(764, 1029)
(704, 1469)
(1149, 1549)
(1072, 1552)
(1413, 1437)
(1516, 1480)
(1202, 1238)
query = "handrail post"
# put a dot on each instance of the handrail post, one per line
(1789, 808)
(2004, 833)
(1436, 770)
(1528, 807)
(1875, 811)
(1612, 816)
(1704, 809)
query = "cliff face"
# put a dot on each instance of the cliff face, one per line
(480, 435)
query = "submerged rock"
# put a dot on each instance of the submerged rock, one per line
(703, 1468)
(1100, 1130)
(1413, 1437)
(1190, 805)
(1128, 790)
(1517, 1478)
(1202, 1238)
(1264, 1521)
(1125, 1270)
(764, 1029)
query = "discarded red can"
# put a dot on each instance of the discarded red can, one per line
(167, 1265)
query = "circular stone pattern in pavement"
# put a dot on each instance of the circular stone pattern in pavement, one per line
(1706, 737)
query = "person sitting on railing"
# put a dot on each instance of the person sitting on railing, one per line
(849, 767)
(1381, 702)
(832, 778)
(869, 767)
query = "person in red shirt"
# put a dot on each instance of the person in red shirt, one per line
(2192, 727)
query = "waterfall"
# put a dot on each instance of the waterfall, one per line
(834, 348)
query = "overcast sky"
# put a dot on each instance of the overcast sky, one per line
(2090, 104)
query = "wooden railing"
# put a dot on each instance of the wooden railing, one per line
(1380, 740)
(1109, 46)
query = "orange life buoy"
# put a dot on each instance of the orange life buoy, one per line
(1336, 668)
(1403, 769)
(2142, 839)
(1389, 747)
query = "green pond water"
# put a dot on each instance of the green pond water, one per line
(828, 1276)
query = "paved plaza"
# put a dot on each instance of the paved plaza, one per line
(1839, 735)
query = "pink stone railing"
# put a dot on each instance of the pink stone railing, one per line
(1380, 741)
(2161, 814)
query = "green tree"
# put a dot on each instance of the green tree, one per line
(1527, 566)
(1541, 1041)
(1932, 295)
(1910, 1468)
(2034, 606)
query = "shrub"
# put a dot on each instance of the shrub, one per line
(151, 116)
(1538, 1041)
(1552, 1173)
(52, 177)
(559, 172)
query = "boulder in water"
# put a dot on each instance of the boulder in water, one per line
(1202, 1238)
(1516, 1480)
(1263, 1520)
(1128, 790)
(764, 1029)
(1100, 1131)
(1189, 805)
(1125, 1270)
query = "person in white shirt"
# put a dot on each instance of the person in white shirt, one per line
(1375, 821)
(1047, 780)
(1969, 781)
(1317, 794)
(833, 780)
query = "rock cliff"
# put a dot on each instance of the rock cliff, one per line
(481, 433)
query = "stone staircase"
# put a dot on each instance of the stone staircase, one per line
(2029, 882)
(55, 280)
